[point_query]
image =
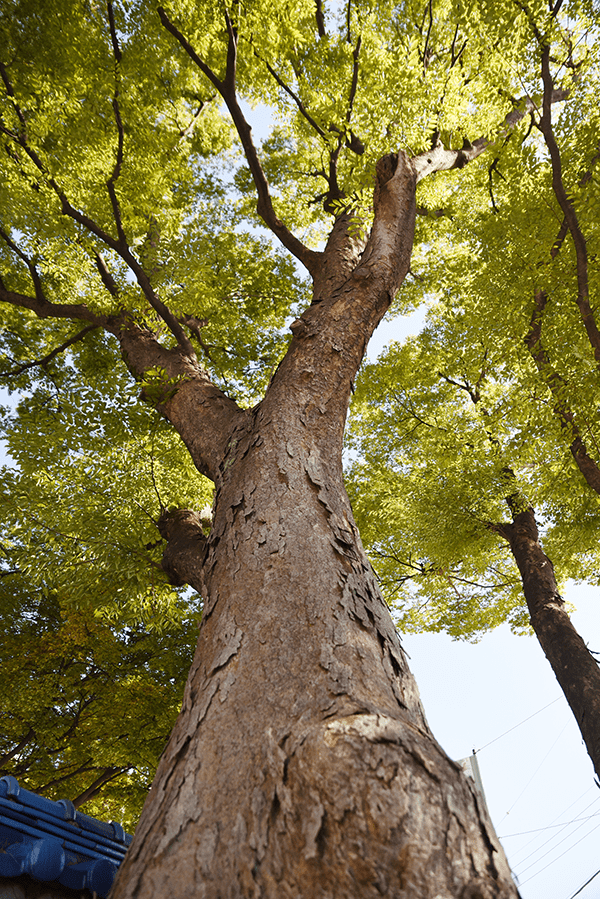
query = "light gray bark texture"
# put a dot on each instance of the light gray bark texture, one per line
(302, 766)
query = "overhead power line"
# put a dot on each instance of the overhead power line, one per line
(562, 813)
(517, 725)
(553, 838)
(536, 770)
(577, 892)
(524, 833)
(568, 849)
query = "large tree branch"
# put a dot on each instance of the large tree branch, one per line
(202, 414)
(533, 341)
(441, 159)
(226, 87)
(184, 554)
(320, 19)
(351, 298)
(94, 788)
(574, 666)
(110, 184)
(120, 245)
(583, 301)
(389, 247)
(45, 309)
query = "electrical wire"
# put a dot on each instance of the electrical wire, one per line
(576, 843)
(475, 751)
(553, 837)
(577, 892)
(536, 770)
(551, 826)
(524, 833)
(563, 812)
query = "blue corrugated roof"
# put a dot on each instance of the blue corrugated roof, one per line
(53, 842)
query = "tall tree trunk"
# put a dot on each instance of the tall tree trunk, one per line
(302, 766)
(574, 666)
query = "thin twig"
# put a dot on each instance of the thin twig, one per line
(426, 47)
(354, 83)
(226, 87)
(301, 108)
(43, 362)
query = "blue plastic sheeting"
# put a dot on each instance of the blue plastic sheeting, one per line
(52, 842)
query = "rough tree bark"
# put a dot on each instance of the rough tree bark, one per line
(575, 668)
(302, 764)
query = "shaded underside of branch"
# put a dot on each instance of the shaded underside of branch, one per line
(442, 159)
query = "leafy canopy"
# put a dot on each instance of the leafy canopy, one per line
(499, 394)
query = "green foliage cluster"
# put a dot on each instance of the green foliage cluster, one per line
(88, 704)
(450, 424)
(96, 644)
(81, 501)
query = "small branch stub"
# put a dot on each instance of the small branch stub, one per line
(185, 551)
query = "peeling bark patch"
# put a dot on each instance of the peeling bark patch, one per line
(226, 685)
(232, 641)
(205, 852)
(199, 716)
(313, 825)
(340, 674)
(313, 470)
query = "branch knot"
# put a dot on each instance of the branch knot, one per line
(185, 551)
